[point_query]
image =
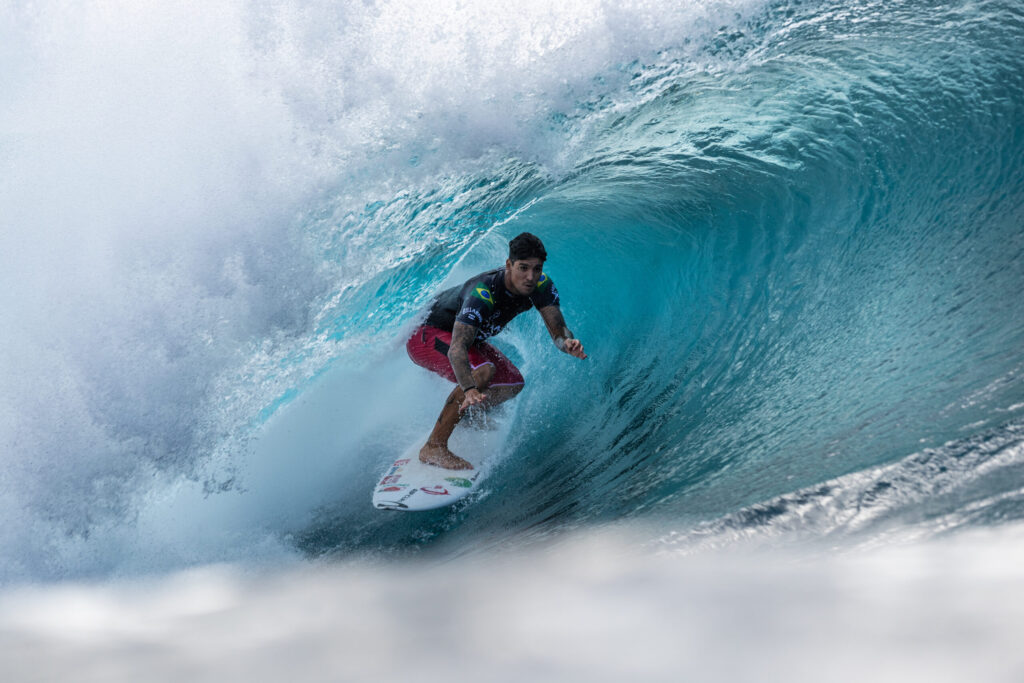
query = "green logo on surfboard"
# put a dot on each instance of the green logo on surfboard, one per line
(459, 481)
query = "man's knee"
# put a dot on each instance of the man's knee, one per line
(484, 374)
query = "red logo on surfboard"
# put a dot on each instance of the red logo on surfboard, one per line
(399, 463)
(390, 480)
(435, 490)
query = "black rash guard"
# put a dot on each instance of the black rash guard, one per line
(484, 303)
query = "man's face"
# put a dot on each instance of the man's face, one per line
(523, 275)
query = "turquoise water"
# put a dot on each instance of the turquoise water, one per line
(788, 233)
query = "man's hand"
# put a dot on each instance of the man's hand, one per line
(574, 347)
(473, 397)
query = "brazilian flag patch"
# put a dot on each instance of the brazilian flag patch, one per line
(481, 292)
(544, 281)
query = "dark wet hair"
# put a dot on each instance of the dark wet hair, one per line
(524, 246)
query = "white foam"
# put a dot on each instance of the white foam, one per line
(591, 608)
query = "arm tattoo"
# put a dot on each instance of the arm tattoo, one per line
(556, 326)
(458, 353)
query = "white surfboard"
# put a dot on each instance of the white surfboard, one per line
(410, 485)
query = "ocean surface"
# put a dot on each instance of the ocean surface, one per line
(789, 234)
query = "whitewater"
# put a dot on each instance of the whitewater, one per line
(788, 233)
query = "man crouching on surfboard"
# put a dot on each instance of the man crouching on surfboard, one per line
(451, 340)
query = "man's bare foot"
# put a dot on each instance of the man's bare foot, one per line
(433, 454)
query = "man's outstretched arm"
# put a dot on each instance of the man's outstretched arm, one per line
(560, 334)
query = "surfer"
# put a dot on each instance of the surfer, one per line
(451, 342)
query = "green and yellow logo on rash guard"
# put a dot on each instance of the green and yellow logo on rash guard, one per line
(481, 292)
(543, 281)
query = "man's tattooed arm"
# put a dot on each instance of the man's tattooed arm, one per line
(555, 323)
(560, 334)
(458, 354)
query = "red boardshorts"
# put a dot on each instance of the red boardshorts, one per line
(428, 348)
